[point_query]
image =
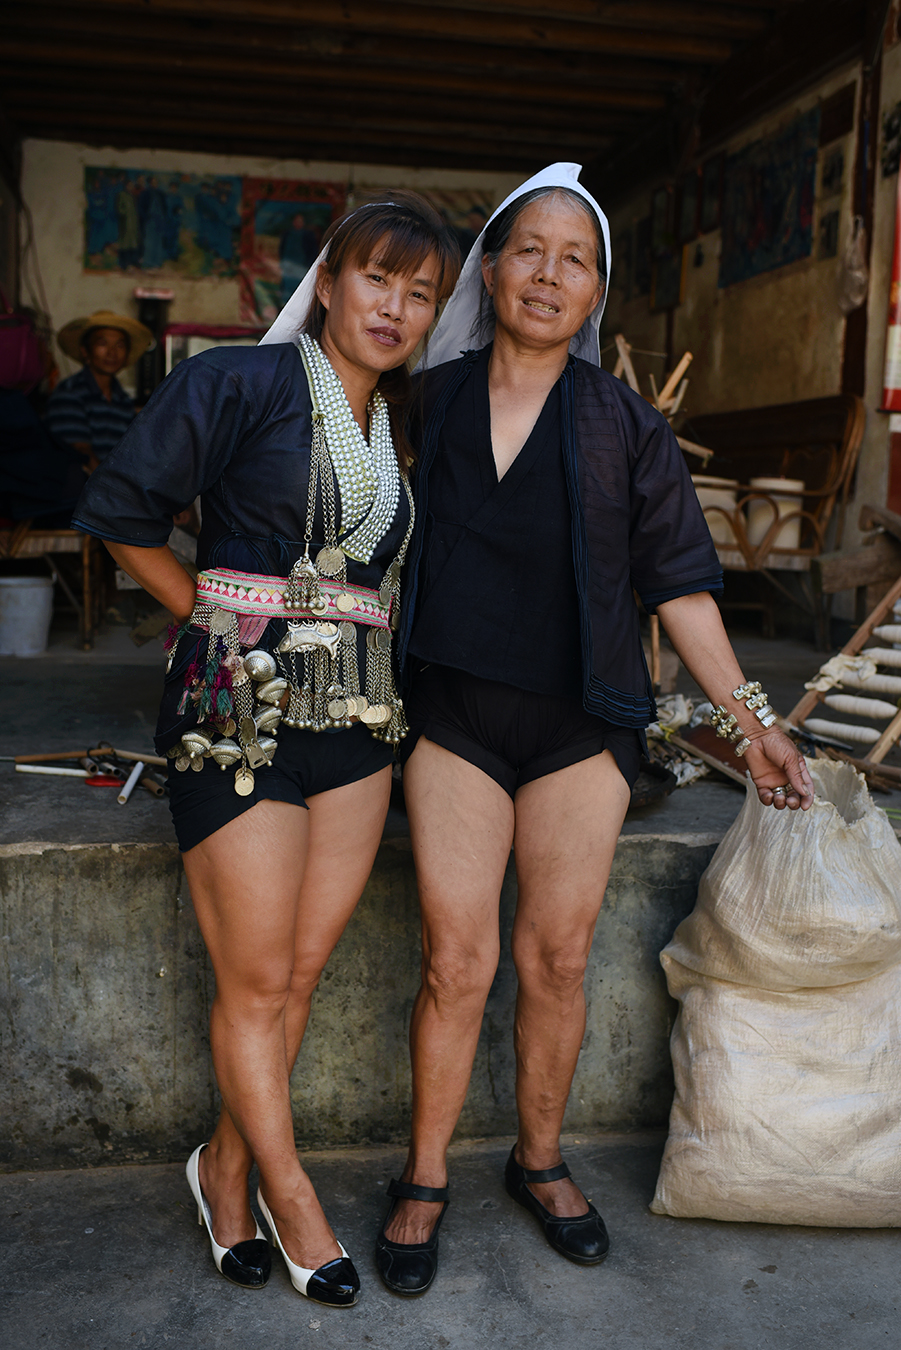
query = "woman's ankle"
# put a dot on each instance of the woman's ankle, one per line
(425, 1172)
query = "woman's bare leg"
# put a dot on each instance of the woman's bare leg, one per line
(272, 898)
(461, 824)
(567, 826)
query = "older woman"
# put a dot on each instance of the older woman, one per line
(297, 447)
(546, 490)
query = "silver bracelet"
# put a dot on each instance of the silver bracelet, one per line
(755, 700)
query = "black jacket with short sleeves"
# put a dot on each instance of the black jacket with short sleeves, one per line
(635, 524)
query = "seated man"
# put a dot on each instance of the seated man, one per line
(40, 478)
(91, 411)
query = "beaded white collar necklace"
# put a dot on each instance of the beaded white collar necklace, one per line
(367, 471)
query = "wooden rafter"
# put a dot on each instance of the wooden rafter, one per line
(411, 21)
(141, 58)
(36, 20)
(501, 84)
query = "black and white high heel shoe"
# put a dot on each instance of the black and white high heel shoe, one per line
(336, 1283)
(247, 1263)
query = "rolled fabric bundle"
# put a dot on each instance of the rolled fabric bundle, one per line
(875, 708)
(889, 632)
(876, 684)
(884, 656)
(842, 731)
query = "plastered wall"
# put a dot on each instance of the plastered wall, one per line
(53, 187)
(872, 470)
(773, 339)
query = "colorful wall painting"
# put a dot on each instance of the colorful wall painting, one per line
(282, 224)
(768, 198)
(170, 224)
(466, 210)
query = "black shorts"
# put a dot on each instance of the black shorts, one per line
(306, 762)
(512, 735)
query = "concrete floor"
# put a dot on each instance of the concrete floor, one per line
(99, 1260)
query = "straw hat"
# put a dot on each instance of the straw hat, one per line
(138, 335)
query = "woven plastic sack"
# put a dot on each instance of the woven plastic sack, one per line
(787, 1046)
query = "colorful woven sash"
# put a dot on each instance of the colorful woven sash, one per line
(263, 597)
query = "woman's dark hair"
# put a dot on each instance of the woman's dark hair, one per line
(400, 233)
(500, 229)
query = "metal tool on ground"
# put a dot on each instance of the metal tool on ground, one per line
(102, 766)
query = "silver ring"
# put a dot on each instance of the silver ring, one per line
(779, 791)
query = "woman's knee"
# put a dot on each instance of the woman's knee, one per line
(555, 969)
(259, 991)
(307, 973)
(455, 975)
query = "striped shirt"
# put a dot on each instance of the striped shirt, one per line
(77, 411)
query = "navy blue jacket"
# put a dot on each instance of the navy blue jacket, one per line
(636, 524)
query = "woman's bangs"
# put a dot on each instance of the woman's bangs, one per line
(403, 246)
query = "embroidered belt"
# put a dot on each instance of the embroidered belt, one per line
(264, 597)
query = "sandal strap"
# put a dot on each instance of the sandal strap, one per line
(408, 1190)
(547, 1174)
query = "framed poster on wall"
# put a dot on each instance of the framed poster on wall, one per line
(282, 225)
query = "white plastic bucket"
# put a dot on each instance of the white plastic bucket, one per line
(26, 607)
(719, 492)
(787, 494)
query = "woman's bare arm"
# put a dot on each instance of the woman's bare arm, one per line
(159, 572)
(695, 628)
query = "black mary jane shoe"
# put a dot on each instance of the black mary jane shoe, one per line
(410, 1267)
(582, 1238)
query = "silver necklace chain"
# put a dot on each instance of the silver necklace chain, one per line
(367, 471)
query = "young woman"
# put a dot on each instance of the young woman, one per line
(297, 449)
(546, 491)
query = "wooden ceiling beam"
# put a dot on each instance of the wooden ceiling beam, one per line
(416, 130)
(735, 21)
(142, 58)
(70, 89)
(410, 22)
(37, 20)
(319, 145)
(812, 38)
(222, 143)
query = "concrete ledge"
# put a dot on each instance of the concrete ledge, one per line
(105, 990)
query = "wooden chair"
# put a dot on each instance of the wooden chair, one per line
(26, 540)
(817, 440)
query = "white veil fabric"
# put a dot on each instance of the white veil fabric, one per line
(289, 324)
(457, 329)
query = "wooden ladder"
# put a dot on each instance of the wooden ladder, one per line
(802, 710)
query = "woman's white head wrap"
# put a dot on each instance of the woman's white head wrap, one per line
(458, 328)
(290, 322)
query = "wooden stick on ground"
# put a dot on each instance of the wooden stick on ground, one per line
(709, 759)
(129, 754)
